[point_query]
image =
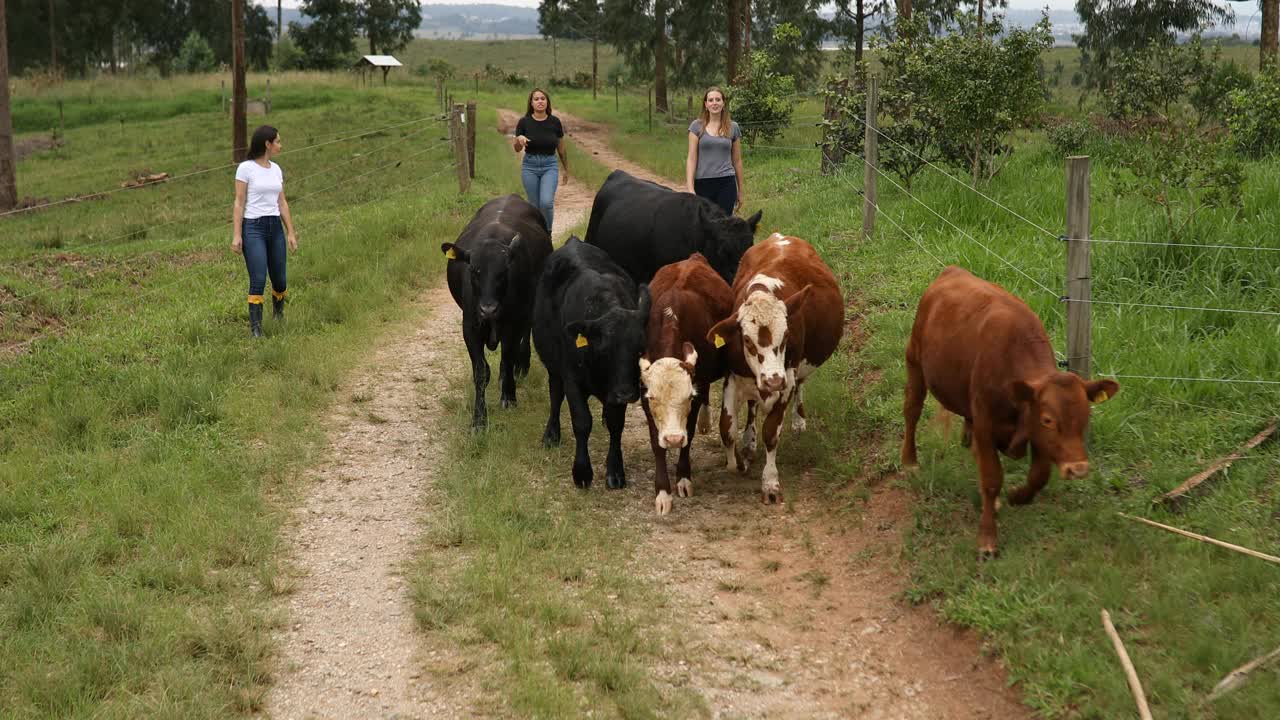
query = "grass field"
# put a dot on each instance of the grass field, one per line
(147, 447)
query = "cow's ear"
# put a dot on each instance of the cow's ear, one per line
(1100, 391)
(1024, 392)
(644, 367)
(1024, 395)
(643, 302)
(690, 357)
(581, 332)
(796, 302)
(453, 252)
(754, 220)
(724, 331)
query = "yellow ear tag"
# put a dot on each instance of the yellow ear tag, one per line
(719, 341)
(1102, 397)
(581, 341)
(451, 254)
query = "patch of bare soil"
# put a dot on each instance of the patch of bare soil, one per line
(32, 145)
(22, 321)
(790, 611)
(350, 647)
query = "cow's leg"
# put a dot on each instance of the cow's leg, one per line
(912, 403)
(523, 355)
(798, 423)
(990, 479)
(507, 369)
(770, 487)
(479, 373)
(704, 415)
(729, 425)
(684, 486)
(1037, 477)
(580, 415)
(747, 446)
(615, 417)
(551, 436)
(966, 437)
(661, 481)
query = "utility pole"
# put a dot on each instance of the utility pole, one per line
(279, 22)
(734, 15)
(8, 168)
(239, 131)
(1268, 45)
(53, 41)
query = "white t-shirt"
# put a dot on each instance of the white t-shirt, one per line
(265, 184)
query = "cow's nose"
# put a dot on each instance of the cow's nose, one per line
(773, 383)
(488, 310)
(1074, 470)
(674, 440)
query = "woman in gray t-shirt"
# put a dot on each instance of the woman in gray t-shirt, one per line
(713, 169)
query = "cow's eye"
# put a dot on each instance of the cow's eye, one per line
(1046, 421)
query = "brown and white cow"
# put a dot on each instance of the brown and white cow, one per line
(986, 357)
(787, 320)
(679, 364)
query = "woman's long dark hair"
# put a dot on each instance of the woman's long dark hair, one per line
(258, 145)
(529, 107)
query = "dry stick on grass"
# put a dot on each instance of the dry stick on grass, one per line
(1205, 538)
(1220, 464)
(1240, 675)
(1135, 685)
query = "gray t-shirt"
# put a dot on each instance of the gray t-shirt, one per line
(715, 153)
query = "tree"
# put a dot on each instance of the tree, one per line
(388, 24)
(196, 56)
(639, 31)
(1116, 26)
(575, 19)
(8, 169)
(329, 41)
(733, 13)
(802, 58)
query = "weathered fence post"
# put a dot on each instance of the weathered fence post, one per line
(690, 108)
(471, 139)
(650, 108)
(616, 83)
(224, 96)
(1079, 290)
(459, 147)
(267, 103)
(871, 157)
(476, 77)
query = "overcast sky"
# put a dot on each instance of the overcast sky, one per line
(1018, 4)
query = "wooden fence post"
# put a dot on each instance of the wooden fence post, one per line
(871, 155)
(1079, 290)
(471, 139)
(690, 108)
(616, 83)
(459, 147)
(650, 108)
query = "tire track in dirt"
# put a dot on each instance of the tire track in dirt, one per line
(788, 611)
(350, 647)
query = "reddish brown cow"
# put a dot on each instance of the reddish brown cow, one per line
(679, 363)
(985, 356)
(787, 320)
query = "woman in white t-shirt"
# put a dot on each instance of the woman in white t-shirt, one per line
(261, 225)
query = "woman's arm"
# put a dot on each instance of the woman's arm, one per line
(564, 161)
(237, 216)
(690, 163)
(288, 223)
(737, 170)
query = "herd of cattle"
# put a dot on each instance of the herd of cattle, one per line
(668, 295)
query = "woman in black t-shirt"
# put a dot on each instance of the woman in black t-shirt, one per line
(538, 135)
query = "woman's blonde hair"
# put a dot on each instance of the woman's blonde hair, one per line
(726, 123)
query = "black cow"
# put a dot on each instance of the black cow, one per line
(493, 274)
(644, 226)
(588, 328)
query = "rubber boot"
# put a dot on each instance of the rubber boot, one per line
(255, 319)
(277, 308)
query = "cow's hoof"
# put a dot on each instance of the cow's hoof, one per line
(985, 554)
(615, 482)
(1021, 496)
(771, 497)
(704, 421)
(799, 424)
(684, 488)
(550, 439)
(508, 402)
(582, 476)
(743, 459)
(479, 424)
(662, 503)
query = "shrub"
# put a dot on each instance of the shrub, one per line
(1070, 138)
(195, 55)
(286, 56)
(1212, 81)
(437, 68)
(1146, 82)
(1253, 116)
(761, 97)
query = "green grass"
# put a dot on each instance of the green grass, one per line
(147, 446)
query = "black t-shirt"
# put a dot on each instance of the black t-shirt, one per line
(544, 135)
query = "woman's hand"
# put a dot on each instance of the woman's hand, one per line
(237, 244)
(737, 205)
(689, 189)
(564, 176)
(519, 143)
(293, 241)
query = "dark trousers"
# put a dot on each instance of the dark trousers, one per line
(722, 191)
(264, 254)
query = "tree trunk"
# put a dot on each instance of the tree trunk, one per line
(859, 31)
(746, 31)
(904, 9)
(733, 13)
(239, 130)
(373, 49)
(980, 8)
(53, 41)
(279, 21)
(8, 167)
(595, 63)
(1270, 32)
(660, 56)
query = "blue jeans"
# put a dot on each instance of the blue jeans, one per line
(264, 253)
(722, 191)
(541, 175)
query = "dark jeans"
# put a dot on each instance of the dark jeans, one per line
(722, 191)
(264, 253)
